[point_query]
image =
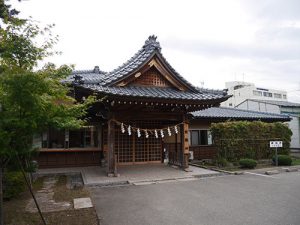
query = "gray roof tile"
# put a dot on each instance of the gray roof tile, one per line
(233, 113)
(155, 92)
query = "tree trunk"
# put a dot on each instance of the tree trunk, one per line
(1, 197)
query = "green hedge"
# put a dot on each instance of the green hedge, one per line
(13, 184)
(244, 139)
(283, 160)
(248, 163)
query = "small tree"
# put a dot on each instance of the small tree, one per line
(31, 100)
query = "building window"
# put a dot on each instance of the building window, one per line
(277, 95)
(284, 96)
(83, 138)
(55, 139)
(200, 137)
(268, 94)
(230, 104)
(257, 93)
(86, 137)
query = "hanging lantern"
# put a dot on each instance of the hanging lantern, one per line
(146, 134)
(169, 131)
(129, 130)
(162, 133)
(176, 130)
(138, 132)
(122, 128)
(155, 132)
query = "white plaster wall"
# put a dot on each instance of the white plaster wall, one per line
(294, 125)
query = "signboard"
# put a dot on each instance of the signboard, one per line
(275, 144)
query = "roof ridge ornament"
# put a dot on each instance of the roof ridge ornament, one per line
(151, 42)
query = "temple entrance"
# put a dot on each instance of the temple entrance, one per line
(131, 149)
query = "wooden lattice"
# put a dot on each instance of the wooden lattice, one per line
(123, 147)
(151, 78)
(131, 149)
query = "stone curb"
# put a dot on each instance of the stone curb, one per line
(175, 179)
(108, 184)
(291, 169)
(151, 181)
(214, 169)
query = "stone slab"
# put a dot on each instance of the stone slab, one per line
(272, 172)
(81, 203)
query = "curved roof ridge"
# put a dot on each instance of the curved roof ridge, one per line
(149, 49)
(88, 71)
(142, 55)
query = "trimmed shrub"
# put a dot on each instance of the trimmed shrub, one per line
(13, 184)
(283, 160)
(248, 163)
(244, 139)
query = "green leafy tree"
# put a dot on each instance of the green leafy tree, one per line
(7, 13)
(31, 100)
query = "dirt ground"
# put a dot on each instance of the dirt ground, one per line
(55, 198)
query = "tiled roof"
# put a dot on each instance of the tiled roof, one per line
(233, 113)
(154, 92)
(102, 82)
(273, 102)
(87, 76)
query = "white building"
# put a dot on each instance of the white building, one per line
(279, 107)
(241, 91)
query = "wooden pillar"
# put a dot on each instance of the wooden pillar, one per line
(185, 144)
(111, 157)
(92, 136)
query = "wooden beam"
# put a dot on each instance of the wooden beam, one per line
(111, 158)
(185, 143)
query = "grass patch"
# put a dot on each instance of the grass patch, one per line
(63, 194)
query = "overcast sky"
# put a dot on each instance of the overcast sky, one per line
(205, 41)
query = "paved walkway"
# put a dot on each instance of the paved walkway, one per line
(45, 198)
(96, 175)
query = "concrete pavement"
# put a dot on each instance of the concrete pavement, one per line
(96, 175)
(229, 200)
